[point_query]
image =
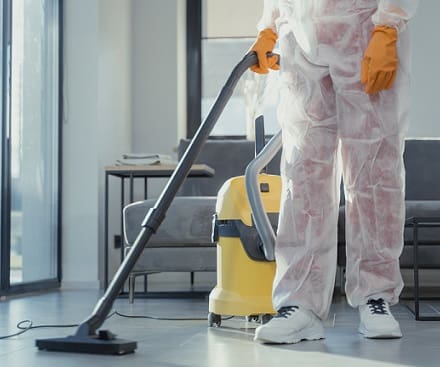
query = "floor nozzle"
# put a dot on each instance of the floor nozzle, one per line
(103, 343)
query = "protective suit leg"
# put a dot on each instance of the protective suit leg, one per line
(372, 131)
(306, 241)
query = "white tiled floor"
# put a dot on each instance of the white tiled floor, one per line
(192, 343)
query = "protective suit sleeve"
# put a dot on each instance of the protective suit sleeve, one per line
(395, 13)
(270, 15)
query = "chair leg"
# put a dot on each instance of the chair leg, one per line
(131, 287)
(192, 278)
(145, 283)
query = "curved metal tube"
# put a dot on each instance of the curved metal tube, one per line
(261, 219)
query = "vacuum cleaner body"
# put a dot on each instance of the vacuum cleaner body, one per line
(244, 276)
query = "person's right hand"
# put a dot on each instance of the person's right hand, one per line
(265, 44)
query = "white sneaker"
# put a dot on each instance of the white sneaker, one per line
(377, 322)
(291, 325)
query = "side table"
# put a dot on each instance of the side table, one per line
(131, 173)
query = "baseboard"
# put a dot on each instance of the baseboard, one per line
(79, 285)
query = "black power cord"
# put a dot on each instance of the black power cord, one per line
(30, 325)
(165, 318)
(159, 318)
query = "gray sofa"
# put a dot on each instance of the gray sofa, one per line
(183, 242)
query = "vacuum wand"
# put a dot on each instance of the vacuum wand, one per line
(86, 339)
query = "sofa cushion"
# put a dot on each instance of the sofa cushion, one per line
(422, 169)
(177, 259)
(188, 222)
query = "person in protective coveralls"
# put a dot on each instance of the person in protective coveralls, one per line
(344, 98)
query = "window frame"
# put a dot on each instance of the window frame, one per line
(193, 66)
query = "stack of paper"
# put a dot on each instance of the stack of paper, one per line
(140, 159)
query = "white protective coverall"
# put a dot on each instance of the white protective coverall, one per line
(325, 115)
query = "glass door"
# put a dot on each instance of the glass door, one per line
(34, 141)
(30, 211)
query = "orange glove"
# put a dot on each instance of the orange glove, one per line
(264, 44)
(379, 65)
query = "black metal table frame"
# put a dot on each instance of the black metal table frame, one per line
(416, 223)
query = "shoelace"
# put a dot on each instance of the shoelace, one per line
(286, 311)
(377, 306)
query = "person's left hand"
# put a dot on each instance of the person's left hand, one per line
(379, 65)
(265, 44)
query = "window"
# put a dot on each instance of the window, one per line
(223, 44)
(30, 228)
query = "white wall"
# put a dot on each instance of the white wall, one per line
(97, 124)
(158, 31)
(80, 152)
(425, 121)
(115, 106)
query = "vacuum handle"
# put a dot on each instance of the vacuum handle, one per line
(252, 58)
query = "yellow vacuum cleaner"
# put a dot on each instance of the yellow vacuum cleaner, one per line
(246, 213)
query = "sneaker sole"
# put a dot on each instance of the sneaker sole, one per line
(312, 333)
(372, 334)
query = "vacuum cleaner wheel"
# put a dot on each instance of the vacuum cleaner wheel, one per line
(214, 320)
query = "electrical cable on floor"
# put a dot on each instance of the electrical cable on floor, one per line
(30, 325)
(165, 318)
